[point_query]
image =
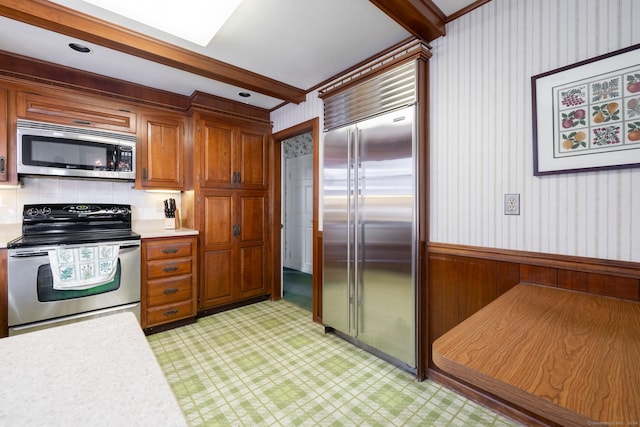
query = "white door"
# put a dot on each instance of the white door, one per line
(298, 214)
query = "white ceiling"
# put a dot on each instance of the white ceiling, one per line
(297, 42)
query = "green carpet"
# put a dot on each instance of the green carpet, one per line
(296, 287)
(268, 364)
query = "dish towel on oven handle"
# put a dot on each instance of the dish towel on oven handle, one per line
(83, 267)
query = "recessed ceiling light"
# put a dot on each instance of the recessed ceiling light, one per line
(244, 94)
(79, 47)
(194, 20)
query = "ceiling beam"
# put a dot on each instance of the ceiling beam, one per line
(60, 19)
(422, 18)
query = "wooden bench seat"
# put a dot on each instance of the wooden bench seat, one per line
(572, 358)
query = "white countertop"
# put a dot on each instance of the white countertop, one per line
(147, 229)
(8, 232)
(99, 372)
(155, 228)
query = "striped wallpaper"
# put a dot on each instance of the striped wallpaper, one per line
(480, 135)
(292, 114)
(481, 145)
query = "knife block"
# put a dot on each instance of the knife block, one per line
(172, 223)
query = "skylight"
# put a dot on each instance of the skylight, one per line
(194, 20)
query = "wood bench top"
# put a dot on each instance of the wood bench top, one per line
(571, 357)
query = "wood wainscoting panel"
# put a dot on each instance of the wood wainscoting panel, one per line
(443, 308)
(458, 287)
(537, 274)
(617, 287)
(477, 285)
(573, 280)
(507, 276)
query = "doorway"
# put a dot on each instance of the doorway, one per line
(297, 217)
(296, 150)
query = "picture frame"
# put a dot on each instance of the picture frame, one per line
(586, 116)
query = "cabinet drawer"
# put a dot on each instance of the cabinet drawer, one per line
(167, 291)
(169, 313)
(168, 268)
(168, 249)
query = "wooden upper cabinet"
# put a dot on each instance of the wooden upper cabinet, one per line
(75, 110)
(233, 156)
(160, 151)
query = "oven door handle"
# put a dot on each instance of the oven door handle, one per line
(28, 254)
(39, 253)
(133, 246)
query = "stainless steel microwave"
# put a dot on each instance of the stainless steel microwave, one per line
(48, 149)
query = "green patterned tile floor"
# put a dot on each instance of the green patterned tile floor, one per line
(268, 364)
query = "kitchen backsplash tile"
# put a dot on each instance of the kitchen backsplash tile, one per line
(145, 205)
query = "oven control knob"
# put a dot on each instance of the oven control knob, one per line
(32, 211)
(46, 211)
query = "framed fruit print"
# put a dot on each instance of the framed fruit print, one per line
(586, 116)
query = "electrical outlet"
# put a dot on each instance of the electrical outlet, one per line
(512, 204)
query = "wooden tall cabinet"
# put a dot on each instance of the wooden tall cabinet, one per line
(4, 134)
(4, 297)
(232, 214)
(234, 246)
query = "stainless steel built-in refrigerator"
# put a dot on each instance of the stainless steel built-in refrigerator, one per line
(369, 233)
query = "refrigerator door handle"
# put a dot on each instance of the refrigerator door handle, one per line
(357, 179)
(350, 242)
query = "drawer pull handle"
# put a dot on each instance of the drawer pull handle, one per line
(168, 269)
(170, 291)
(83, 122)
(170, 251)
(169, 312)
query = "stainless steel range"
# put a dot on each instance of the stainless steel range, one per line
(72, 261)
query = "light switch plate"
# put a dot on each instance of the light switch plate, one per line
(512, 204)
